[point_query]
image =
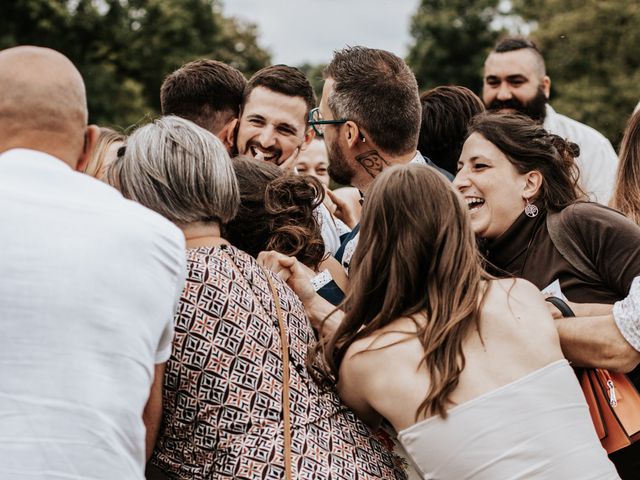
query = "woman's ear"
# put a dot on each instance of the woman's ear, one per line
(533, 183)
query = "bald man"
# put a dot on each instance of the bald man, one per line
(88, 286)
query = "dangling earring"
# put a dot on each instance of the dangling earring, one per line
(530, 210)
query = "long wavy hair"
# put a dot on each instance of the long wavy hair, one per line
(276, 212)
(626, 196)
(416, 255)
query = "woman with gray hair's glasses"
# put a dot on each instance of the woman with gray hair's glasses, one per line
(235, 406)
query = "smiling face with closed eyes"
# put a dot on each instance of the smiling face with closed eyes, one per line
(491, 186)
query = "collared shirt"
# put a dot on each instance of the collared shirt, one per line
(88, 286)
(597, 162)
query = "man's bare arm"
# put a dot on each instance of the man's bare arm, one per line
(596, 342)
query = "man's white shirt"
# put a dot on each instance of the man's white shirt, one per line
(597, 163)
(89, 282)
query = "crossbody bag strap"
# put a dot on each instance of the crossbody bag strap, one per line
(286, 398)
(286, 407)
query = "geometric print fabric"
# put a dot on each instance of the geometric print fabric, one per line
(223, 386)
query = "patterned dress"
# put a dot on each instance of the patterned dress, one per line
(223, 386)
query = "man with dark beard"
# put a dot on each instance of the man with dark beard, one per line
(515, 80)
(369, 116)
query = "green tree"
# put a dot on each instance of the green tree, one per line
(592, 53)
(314, 74)
(451, 39)
(124, 48)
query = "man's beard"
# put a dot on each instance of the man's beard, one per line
(534, 108)
(339, 169)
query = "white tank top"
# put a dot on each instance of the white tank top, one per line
(537, 427)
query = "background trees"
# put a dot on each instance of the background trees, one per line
(592, 52)
(450, 38)
(591, 48)
(124, 48)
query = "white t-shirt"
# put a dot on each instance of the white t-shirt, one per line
(597, 163)
(331, 229)
(88, 285)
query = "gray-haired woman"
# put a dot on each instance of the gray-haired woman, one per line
(226, 400)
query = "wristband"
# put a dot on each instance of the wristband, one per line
(320, 280)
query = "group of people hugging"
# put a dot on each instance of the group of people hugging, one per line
(309, 339)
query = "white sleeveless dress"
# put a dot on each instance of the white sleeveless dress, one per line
(537, 427)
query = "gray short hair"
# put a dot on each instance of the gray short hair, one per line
(179, 170)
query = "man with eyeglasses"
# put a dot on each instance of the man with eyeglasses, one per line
(369, 116)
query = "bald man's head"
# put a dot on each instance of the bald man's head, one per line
(43, 104)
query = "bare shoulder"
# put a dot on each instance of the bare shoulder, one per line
(521, 305)
(375, 358)
(385, 342)
(379, 366)
(516, 290)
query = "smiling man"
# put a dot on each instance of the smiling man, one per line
(273, 124)
(515, 80)
(274, 127)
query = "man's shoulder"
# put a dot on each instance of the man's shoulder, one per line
(571, 129)
(46, 191)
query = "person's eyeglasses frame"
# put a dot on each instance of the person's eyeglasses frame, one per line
(313, 123)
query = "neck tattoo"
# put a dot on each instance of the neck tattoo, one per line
(372, 162)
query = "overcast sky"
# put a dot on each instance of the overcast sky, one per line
(299, 31)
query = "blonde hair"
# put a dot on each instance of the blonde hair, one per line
(179, 170)
(95, 166)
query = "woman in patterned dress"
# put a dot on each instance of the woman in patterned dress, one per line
(223, 387)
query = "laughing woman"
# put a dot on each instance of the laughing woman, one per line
(468, 369)
(520, 184)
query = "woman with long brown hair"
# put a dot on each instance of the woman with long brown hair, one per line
(626, 196)
(468, 369)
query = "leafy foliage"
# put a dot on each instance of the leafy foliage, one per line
(592, 52)
(591, 49)
(124, 48)
(314, 74)
(451, 39)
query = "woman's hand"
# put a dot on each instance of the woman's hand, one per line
(290, 270)
(324, 317)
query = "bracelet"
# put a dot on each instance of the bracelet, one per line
(321, 280)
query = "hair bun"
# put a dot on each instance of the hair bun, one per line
(291, 192)
(566, 148)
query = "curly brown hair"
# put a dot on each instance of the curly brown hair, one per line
(277, 212)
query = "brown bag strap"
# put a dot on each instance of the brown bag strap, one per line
(286, 406)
